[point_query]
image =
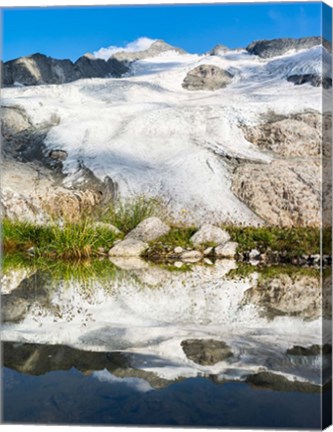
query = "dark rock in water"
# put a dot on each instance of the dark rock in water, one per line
(207, 77)
(277, 382)
(39, 69)
(313, 350)
(314, 80)
(206, 351)
(276, 47)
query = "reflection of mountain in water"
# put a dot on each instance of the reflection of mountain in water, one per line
(34, 359)
(283, 294)
(164, 326)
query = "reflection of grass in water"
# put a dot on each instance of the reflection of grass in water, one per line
(80, 270)
(244, 270)
(70, 270)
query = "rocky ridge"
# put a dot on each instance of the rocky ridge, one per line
(277, 47)
(39, 69)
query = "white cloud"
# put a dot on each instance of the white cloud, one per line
(140, 44)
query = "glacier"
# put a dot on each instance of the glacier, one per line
(154, 138)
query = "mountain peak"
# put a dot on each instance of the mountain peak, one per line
(218, 49)
(89, 56)
(157, 47)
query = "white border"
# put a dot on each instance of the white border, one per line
(27, 3)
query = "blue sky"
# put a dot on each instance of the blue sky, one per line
(71, 32)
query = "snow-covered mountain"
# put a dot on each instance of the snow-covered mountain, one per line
(153, 136)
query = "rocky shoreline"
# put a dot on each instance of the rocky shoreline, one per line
(157, 242)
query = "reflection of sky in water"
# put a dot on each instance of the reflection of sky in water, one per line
(111, 351)
(73, 398)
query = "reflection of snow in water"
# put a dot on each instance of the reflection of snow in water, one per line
(151, 321)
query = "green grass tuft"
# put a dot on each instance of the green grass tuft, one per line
(127, 214)
(70, 240)
(294, 241)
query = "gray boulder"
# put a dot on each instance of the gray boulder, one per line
(129, 263)
(210, 234)
(207, 77)
(128, 248)
(277, 47)
(227, 250)
(191, 256)
(148, 230)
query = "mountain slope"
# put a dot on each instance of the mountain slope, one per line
(151, 136)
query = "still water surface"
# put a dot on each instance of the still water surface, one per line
(149, 346)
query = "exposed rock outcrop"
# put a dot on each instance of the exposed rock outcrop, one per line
(277, 47)
(298, 295)
(34, 187)
(296, 135)
(284, 193)
(33, 194)
(314, 80)
(207, 77)
(39, 69)
(92, 67)
(313, 350)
